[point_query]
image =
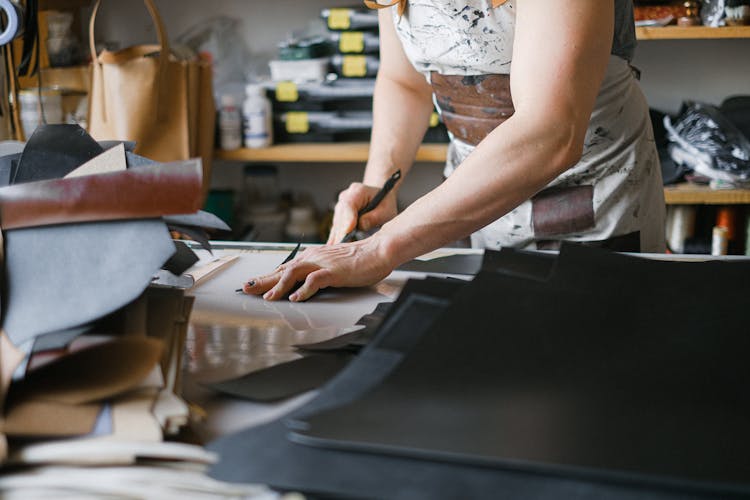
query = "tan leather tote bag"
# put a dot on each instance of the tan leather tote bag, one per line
(145, 94)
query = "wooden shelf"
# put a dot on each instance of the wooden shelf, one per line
(691, 32)
(343, 152)
(356, 152)
(691, 194)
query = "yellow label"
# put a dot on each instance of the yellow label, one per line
(338, 19)
(286, 92)
(434, 119)
(297, 122)
(354, 66)
(352, 42)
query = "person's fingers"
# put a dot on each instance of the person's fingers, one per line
(288, 278)
(381, 214)
(369, 220)
(344, 220)
(345, 214)
(262, 284)
(315, 281)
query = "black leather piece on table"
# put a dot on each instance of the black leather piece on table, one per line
(466, 264)
(586, 375)
(354, 341)
(284, 380)
(316, 368)
(333, 472)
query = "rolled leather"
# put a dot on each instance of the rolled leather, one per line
(135, 193)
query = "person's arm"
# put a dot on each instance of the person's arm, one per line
(402, 104)
(561, 52)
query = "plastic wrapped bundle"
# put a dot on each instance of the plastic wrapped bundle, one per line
(704, 140)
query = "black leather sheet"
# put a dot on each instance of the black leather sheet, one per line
(467, 264)
(592, 374)
(329, 471)
(316, 368)
(523, 264)
(53, 151)
(429, 286)
(284, 380)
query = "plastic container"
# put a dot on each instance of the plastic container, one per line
(261, 189)
(323, 126)
(301, 70)
(31, 111)
(355, 66)
(306, 48)
(230, 124)
(355, 42)
(63, 48)
(344, 19)
(264, 227)
(302, 226)
(257, 118)
(333, 94)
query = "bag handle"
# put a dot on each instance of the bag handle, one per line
(163, 57)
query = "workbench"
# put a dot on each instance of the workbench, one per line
(232, 334)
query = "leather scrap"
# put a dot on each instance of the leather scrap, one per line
(53, 151)
(92, 374)
(37, 418)
(52, 283)
(136, 193)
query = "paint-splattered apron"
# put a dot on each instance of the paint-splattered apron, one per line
(614, 194)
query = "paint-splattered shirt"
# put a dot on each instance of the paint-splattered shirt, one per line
(470, 37)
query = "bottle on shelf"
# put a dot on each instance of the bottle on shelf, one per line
(257, 117)
(302, 227)
(230, 124)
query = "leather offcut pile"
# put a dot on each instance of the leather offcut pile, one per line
(90, 347)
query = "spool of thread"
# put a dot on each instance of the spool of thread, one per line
(13, 15)
(727, 217)
(719, 241)
(680, 226)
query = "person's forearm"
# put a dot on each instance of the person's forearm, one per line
(401, 115)
(514, 162)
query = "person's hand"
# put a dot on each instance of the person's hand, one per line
(351, 200)
(360, 263)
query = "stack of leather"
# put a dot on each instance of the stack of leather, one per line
(90, 350)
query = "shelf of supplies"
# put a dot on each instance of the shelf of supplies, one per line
(342, 152)
(691, 194)
(691, 32)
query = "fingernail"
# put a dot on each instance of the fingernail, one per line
(268, 294)
(293, 297)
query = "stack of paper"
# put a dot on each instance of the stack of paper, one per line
(90, 352)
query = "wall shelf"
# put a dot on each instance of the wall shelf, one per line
(356, 152)
(692, 32)
(692, 194)
(343, 152)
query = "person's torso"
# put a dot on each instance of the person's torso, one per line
(470, 37)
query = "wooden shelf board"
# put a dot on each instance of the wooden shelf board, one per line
(691, 194)
(343, 152)
(356, 152)
(691, 32)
